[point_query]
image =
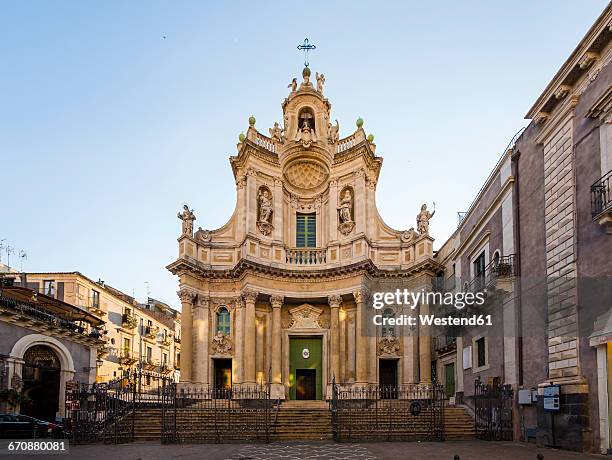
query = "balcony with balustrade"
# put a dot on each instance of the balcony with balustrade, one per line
(306, 256)
(497, 274)
(601, 201)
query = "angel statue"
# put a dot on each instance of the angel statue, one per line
(333, 132)
(265, 206)
(320, 82)
(345, 207)
(187, 216)
(293, 85)
(423, 220)
(276, 132)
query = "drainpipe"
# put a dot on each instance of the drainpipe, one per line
(517, 250)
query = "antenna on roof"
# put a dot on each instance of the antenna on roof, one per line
(22, 256)
(2, 246)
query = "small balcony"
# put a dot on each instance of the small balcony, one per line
(128, 357)
(166, 341)
(306, 256)
(494, 274)
(150, 332)
(601, 201)
(443, 345)
(128, 321)
(148, 364)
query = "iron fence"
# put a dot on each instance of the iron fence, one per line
(493, 411)
(601, 195)
(409, 412)
(202, 414)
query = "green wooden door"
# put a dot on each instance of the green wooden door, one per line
(305, 353)
(449, 376)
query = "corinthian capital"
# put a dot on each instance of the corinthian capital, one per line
(250, 296)
(186, 295)
(203, 302)
(334, 300)
(358, 295)
(277, 301)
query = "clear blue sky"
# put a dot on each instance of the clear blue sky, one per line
(106, 128)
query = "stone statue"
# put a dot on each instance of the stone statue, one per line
(203, 235)
(333, 132)
(320, 82)
(187, 216)
(305, 134)
(423, 220)
(264, 200)
(345, 207)
(293, 85)
(222, 344)
(345, 210)
(276, 132)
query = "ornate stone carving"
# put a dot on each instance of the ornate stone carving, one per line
(320, 82)
(306, 135)
(293, 85)
(306, 174)
(187, 216)
(333, 132)
(588, 59)
(221, 343)
(423, 220)
(186, 295)
(305, 317)
(562, 91)
(265, 209)
(334, 300)
(408, 235)
(345, 212)
(388, 345)
(205, 236)
(250, 296)
(358, 296)
(241, 181)
(203, 302)
(277, 301)
(277, 133)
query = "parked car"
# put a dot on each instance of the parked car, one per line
(17, 426)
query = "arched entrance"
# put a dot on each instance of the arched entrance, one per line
(41, 382)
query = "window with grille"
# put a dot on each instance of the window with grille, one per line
(306, 230)
(223, 321)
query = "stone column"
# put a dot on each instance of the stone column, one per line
(360, 201)
(350, 368)
(238, 364)
(333, 211)
(201, 333)
(361, 342)
(187, 298)
(249, 336)
(277, 303)
(334, 302)
(410, 360)
(278, 210)
(424, 348)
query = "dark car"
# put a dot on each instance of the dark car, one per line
(17, 426)
(52, 429)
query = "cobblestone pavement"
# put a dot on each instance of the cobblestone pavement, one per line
(467, 450)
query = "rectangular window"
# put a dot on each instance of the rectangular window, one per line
(479, 270)
(49, 288)
(149, 354)
(306, 230)
(164, 359)
(95, 299)
(126, 344)
(481, 353)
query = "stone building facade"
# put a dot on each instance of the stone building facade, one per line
(278, 293)
(549, 203)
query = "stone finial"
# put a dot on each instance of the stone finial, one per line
(187, 216)
(359, 122)
(186, 295)
(277, 301)
(252, 121)
(334, 300)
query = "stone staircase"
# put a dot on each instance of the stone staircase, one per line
(296, 420)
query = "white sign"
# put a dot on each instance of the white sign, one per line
(467, 357)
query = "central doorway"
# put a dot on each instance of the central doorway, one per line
(223, 374)
(305, 368)
(387, 372)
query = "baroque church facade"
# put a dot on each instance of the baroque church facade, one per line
(278, 293)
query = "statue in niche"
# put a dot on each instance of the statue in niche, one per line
(305, 134)
(423, 220)
(264, 200)
(293, 85)
(320, 82)
(345, 212)
(333, 132)
(277, 133)
(187, 216)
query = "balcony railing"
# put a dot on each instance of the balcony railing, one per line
(129, 321)
(150, 332)
(306, 256)
(444, 344)
(36, 313)
(265, 142)
(601, 195)
(128, 357)
(503, 267)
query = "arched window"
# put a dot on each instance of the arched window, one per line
(388, 330)
(223, 321)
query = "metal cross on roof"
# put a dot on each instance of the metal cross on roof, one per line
(306, 46)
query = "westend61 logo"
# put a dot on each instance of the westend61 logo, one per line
(411, 299)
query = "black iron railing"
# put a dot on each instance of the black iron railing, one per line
(500, 267)
(493, 411)
(409, 412)
(601, 195)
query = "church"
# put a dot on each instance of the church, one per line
(278, 294)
